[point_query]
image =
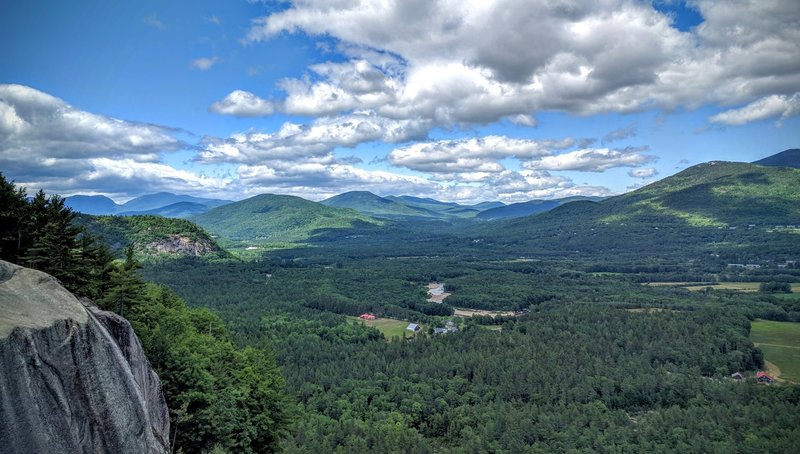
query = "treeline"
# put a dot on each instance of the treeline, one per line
(39, 233)
(580, 372)
(219, 396)
(577, 378)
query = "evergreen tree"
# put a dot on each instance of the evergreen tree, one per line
(125, 288)
(13, 212)
(97, 266)
(54, 239)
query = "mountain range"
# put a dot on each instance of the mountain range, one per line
(691, 206)
(162, 203)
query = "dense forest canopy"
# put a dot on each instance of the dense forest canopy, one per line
(627, 344)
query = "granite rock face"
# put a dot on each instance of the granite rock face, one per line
(177, 244)
(73, 378)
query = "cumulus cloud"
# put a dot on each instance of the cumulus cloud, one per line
(317, 140)
(204, 64)
(480, 61)
(471, 155)
(36, 125)
(766, 107)
(591, 160)
(46, 143)
(240, 103)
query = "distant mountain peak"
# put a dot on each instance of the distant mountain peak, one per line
(786, 158)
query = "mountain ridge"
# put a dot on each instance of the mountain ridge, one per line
(277, 218)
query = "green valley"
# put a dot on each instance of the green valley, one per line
(614, 323)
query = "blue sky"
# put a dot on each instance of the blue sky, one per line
(458, 100)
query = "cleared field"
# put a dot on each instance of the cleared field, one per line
(780, 342)
(388, 326)
(650, 310)
(738, 286)
(671, 284)
(473, 312)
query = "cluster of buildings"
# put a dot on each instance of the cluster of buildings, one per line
(761, 377)
(449, 327)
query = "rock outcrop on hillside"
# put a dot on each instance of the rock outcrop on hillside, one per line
(182, 245)
(73, 378)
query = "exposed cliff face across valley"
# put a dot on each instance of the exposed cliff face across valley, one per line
(152, 235)
(182, 245)
(73, 378)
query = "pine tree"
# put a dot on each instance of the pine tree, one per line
(13, 212)
(54, 240)
(97, 264)
(126, 288)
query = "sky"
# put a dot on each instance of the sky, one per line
(458, 100)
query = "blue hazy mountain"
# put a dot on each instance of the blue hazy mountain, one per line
(531, 207)
(163, 199)
(91, 204)
(181, 210)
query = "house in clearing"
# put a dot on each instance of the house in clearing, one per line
(413, 327)
(367, 316)
(763, 377)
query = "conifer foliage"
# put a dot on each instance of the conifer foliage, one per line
(40, 233)
(220, 397)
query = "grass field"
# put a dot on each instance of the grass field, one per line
(739, 286)
(389, 327)
(780, 342)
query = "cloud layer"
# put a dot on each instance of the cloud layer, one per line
(45, 142)
(456, 62)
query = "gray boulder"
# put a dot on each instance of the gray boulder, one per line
(73, 378)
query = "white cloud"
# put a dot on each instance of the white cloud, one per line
(295, 142)
(36, 125)
(46, 143)
(204, 64)
(240, 103)
(766, 107)
(321, 180)
(646, 172)
(470, 155)
(524, 120)
(591, 160)
(463, 62)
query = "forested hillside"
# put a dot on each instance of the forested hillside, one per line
(151, 235)
(219, 396)
(274, 219)
(740, 212)
(613, 325)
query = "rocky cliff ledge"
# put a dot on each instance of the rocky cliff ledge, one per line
(73, 378)
(182, 245)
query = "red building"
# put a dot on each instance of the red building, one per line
(763, 377)
(366, 316)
